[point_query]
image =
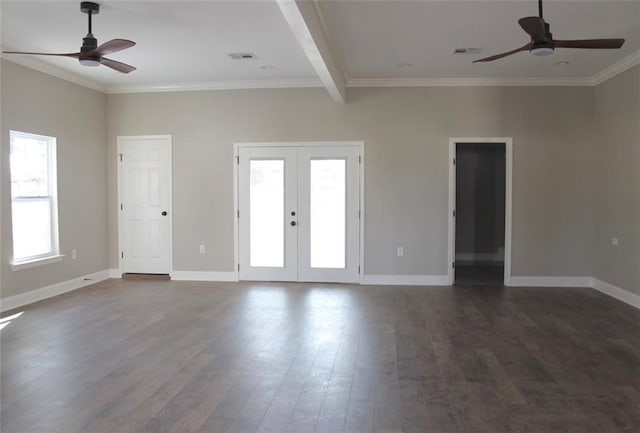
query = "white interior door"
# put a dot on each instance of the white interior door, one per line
(145, 206)
(299, 213)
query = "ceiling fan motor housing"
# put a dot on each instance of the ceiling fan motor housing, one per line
(89, 43)
(545, 47)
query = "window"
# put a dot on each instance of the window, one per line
(33, 197)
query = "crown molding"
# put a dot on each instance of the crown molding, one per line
(466, 82)
(215, 85)
(46, 68)
(602, 76)
(615, 69)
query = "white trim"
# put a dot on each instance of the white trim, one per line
(51, 197)
(467, 82)
(236, 189)
(616, 292)
(297, 144)
(119, 139)
(617, 68)
(36, 295)
(215, 85)
(54, 71)
(405, 280)
(508, 199)
(204, 276)
(362, 212)
(115, 273)
(16, 266)
(550, 282)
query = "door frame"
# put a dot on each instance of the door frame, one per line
(236, 192)
(508, 142)
(120, 139)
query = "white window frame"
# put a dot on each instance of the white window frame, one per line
(53, 255)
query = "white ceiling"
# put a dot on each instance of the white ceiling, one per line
(182, 42)
(377, 36)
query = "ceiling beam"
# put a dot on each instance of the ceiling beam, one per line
(306, 25)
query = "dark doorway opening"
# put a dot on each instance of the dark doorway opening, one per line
(480, 213)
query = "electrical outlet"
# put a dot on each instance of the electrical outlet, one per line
(74, 254)
(614, 242)
(400, 251)
(203, 249)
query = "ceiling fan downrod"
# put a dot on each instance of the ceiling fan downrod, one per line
(540, 8)
(89, 42)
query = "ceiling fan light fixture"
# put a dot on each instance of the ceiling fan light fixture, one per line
(543, 50)
(89, 61)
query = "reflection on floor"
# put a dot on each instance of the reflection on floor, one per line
(479, 274)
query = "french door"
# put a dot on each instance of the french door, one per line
(299, 213)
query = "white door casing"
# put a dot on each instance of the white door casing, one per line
(335, 183)
(145, 214)
(508, 142)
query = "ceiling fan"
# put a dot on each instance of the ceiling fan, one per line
(90, 53)
(543, 44)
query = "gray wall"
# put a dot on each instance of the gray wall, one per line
(617, 120)
(38, 103)
(406, 132)
(560, 226)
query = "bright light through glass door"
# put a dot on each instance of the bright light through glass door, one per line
(328, 213)
(298, 212)
(266, 213)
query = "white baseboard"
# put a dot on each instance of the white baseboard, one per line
(203, 276)
(405, 280)
(15, 301)
(616, 292)
(32, 296)
(549, 282)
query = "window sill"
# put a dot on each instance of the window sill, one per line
(16, 266)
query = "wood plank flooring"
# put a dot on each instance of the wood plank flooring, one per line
(127, 356)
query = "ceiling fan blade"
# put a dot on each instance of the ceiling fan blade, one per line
(114, 45)
(76, 55)
(535, 27)
(590, 43)
(508, 53)
(118, 66)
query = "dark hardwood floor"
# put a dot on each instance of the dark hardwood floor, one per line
(479, 274)
(162, 356)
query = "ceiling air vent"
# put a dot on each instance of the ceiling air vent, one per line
(460, 51)
(242, 56)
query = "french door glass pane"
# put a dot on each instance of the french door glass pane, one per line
(31, 227)
(266, 213)
(328, 213)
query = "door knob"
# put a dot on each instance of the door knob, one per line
(164, 213)
(293, 223)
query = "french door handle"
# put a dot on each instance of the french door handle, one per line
(164, 213)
